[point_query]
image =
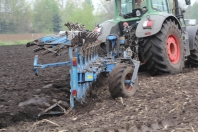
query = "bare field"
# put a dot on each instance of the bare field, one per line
(16, 37)
(165, 103)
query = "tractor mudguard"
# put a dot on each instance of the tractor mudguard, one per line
(158, 20)
(108, 27)
(192, 30)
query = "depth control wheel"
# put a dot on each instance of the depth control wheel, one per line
(118, 77)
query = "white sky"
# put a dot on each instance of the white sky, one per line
(95, 2)
(192, 1)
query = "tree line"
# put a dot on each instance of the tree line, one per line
(191, 12)
(45, 16)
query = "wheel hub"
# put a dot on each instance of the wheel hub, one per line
(128, 87)
(173, 49)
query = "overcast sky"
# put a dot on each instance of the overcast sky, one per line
(95, 2)
(193, 1)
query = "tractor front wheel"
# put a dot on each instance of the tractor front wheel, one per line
(102, 50)
(117, 81)
(193, 57)
(164, 52)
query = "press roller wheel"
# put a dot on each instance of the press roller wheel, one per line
(117, 77)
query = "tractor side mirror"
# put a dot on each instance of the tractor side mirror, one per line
(188, 2)
(97, 25)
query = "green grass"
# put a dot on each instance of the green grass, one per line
(17, 42)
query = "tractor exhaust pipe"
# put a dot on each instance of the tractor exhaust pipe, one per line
(176, 9)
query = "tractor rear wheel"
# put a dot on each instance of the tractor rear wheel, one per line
(102, 50)
(193, 58)
(117, 77)
(164, 52)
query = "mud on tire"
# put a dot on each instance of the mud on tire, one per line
(164, 52)
(117, 77)
(193, 57)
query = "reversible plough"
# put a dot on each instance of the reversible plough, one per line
(82, 46)
(144, 32)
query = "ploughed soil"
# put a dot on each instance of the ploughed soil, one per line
(162, 103)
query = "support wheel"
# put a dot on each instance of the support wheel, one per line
(193, 57)
(164, 52)
(117, 77)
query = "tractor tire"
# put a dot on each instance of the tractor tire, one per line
(193, 57)
(164, 51)
(102, 53)
(117, 77)
(102, 50)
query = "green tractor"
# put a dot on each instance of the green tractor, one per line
(145, 33)
(157, 35)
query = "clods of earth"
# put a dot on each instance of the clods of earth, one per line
(167, 103)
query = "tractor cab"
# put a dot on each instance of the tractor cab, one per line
(130, 9)
(137, 8)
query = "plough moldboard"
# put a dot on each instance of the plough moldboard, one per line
(85, 64)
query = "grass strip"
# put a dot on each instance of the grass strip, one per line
(17, 42)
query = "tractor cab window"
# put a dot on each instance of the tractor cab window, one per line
(160, 5)
(128, 7)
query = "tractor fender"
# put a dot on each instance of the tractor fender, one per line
(158, 20)
(108, 28)
(192, 30)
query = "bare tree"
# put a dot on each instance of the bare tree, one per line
(14, 16)
(104, 9)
